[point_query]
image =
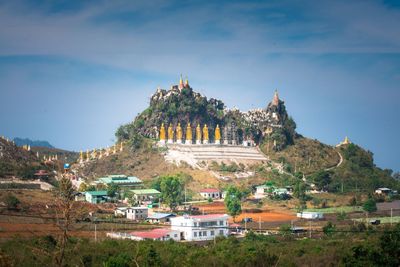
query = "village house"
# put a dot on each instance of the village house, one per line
(160, 234)
(210, 193)
(383, 191)
(120, 212)
(160, 217)
(262, 191)
(280, 191)
(137, 213)
(121, 181)
(201, 227)
(96, 197)
(310, 215)
(145, 195)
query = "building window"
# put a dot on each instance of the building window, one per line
(195, 234)
(204, 233)
(175, 235)
(212, 233)
(195, 224)
(221, 232)
(221, 222)
(200, 233)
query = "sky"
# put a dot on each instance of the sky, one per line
(71, 72)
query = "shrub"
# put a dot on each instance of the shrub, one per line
(12, 202)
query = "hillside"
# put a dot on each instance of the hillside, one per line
(271, 128)
(64, 156)
(305, 155)
(16, 161)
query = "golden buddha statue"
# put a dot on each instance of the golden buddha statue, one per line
(198, 134)
(217, 135)
(179, 133)
(170, 134)
(189, 136)
(205, 134)
(162, 133)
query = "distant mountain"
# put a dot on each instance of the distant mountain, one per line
(26, 141)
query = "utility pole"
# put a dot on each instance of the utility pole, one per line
(391, 216)
(95, 233)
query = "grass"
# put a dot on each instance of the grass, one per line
(395, 219)
(337, 209)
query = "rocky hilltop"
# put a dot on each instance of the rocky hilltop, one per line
(181, 104)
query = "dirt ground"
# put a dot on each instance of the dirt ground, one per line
(263, 216)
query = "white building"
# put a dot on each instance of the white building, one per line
(120, 211)
(137, 213)
(383, 191)
(201, 227)
(310, 215)
(210, 193)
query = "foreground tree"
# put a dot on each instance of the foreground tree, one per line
(64, 208)
(233, 201)
(171, 191)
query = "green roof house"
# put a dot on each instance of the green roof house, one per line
(96, 197)
(121, 180)
(142, 195)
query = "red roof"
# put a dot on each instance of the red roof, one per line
(207, 216)
(153, 234)
(41, 172)
(210, 190)
(235, 225)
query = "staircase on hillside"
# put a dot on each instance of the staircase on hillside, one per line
(192, 154)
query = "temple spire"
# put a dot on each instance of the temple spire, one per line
(187, 82)
(275, 100)
(181, 83)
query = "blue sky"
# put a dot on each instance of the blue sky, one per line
(72, 72)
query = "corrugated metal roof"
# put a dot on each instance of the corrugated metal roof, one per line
(157, 216)
(145, 191)
(120, 179)
(153, 234)
(97, 193)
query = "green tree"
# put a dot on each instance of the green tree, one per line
(390, 245)
(83, 187)
(299, 190)
(152, 257)
(171, 190)
(233, 201)
(12, 202)
(119, 260)
(370, 205)
(322, 179)
(329, 228)
(112, 190)
(285, 229)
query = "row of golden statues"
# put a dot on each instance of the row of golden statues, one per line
(201, 134)
(100, 153)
